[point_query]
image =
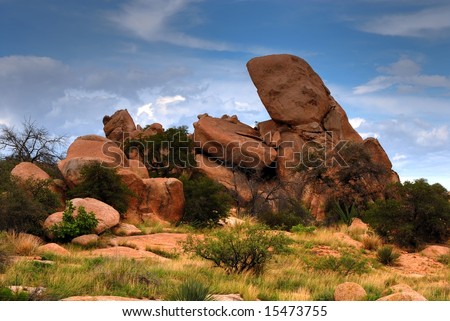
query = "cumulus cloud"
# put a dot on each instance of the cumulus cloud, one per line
(154, 21)
(405, 76)
(356, 122)
(423, 23)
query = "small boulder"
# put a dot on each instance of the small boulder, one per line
(435, 251)
(27, 170)
(52, 248)
(124, 229)
(226, 297)
(349, 291)
(358, 226)
(86, 240)
(401, 292)
(119, 125)
(106, 215)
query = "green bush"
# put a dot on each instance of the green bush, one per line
(24, 206)
(71, 226)
(414, 213)
(103, 184)
(165, 154)
(387, 256)
(206, 202)
(239, 249)
(300, 229)
(290, 213)
(345, 265)
(191, 290)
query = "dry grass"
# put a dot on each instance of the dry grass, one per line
(23, 244)
(371, 242)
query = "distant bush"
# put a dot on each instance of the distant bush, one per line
(387, 256)
(290, 213)
(414, 213)
(71, 226)
(103, 184)
(299, 228)
(165, 154)
(191, 290)
(371, 242)
(239, 249)
(206, 202)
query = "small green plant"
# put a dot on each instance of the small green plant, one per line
(346, 213)
(300, 228)
(73, 226)
(444, 259)
(243, 248)
(9, 295)
(345, 265)
(386, 255)
(191, 290)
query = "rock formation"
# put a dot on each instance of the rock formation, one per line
(273, 160)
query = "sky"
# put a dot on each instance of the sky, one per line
(66, 64)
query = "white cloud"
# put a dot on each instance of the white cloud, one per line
(422, 23)
(405, 76)
(356, 122)
(399, 157)
(434, 137)
(146, 109)
(153, 21)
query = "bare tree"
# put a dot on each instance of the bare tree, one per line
(32, 143)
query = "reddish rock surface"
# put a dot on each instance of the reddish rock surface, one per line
(27, 170)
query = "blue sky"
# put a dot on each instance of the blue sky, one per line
(66, 64)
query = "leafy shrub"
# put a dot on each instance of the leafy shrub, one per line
(345, 265)
(239, 249)
(299, 228)
(346, 213)
(206, 202)
(387, 256)
(165, 154)
(289, 214)
(71, 226)
(414, 213)
(103, 184)
(191, 290)
(24, 206)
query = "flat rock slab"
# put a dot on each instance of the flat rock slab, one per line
(125, 252)
(162, 241)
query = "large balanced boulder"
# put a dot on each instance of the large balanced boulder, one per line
(106, 215)
(232, 142)
(26, 170)
(87, 150)
(289, 89)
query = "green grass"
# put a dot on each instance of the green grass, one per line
(297, 275)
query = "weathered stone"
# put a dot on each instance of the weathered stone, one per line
(124, 229)
(358, 226)
(401, 292)
(289, 89)
(232, 142)
(52, 248)
(349, 291)
(435, 251)
(86, 240)
(119, 125)
(89, 149)
(27, 170)
(106, 215)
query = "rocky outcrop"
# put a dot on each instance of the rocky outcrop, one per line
(349, 291)
(435, 251)
(125, 229)
(106, 215)
(86, 240)
(119, 125)
(401, 292)
(297, 153)
(26, 170)
(232, 142)
(52, 248)
(87, 150)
